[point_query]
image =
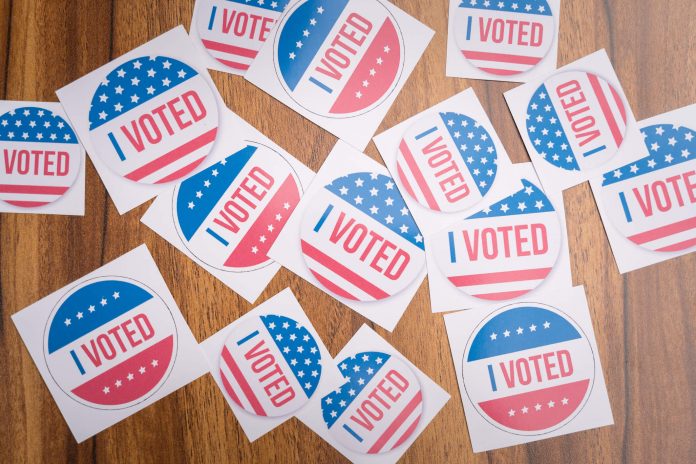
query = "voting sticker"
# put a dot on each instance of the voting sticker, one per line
(652, 201)
(504, 38)
(339, 58)
(233, 31)
(230, 214)
(576, 120)
(359, 240)
(447, 162)
(41, 157)
(379, 406)
(153, 119)
(504, 251)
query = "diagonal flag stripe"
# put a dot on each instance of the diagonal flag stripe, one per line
(398, 421)
(242, 381)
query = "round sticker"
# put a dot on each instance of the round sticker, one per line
(576, 120)
(504, 251)
(153, 119)
(359, 239)
(233, 31)
(652, 201)
(340, 58)
(528, 369)
(504, 38)
(41, 157)
(230, 214)
(447, 162)
(379, 406)
(110, 343)
(270, 365)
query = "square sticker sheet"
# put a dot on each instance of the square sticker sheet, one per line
(270, 364)
(383, 405)
(110, 343)
(340, 63)
(515, 247)
(149, 118)
(502, 41)
(529, 370)
(574, 121)
(446, 160)
(648, 203)
(227, 216)
(353, 236)
(43, 163)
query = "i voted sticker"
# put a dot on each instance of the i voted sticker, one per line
(379, 406)
(230, 214)
(41, 157)
(528, 369)
(576, 120)
(270, 365)
(153, 119)
(233, 31)
(447, 162)
(339, 58)
(110, 343)
(652, 201)
(359, 239)
(504, 251)
(504, 38)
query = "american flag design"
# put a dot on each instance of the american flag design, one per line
(41, 157)
(528, 369)
(153, 119)
(359, 240)
(270, 366)
(233, 31)
(379, 406)
(230, 214)
(110, 343)
(576, 120)
(504, 251)
(339, 58)
(504, 38)
(652, 201)
(447, 162)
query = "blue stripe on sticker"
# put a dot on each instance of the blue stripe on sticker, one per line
(468, 28)
(323, 218)
(216, 236)
(596, 150)
(117, 147)
(321, 85)
(429, 131)
(453, 252)
(213, 12)
(352, 432)
(77, 361)
(492, 377)
(247, 338)
(624, 205)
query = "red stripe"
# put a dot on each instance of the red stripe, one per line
(411, 428)
(420, 180)
(35, 189)
(501, 72)
(501, 57)
(27, 204)
(679, 246)
(332, 287)
(234, 50)
(173, 156)
(343, 271)
(619, 103)
(394, 426)
(500, 277)
(500, 296)
(664, 231)
(604, 104)
(229, 389)
(233, 64)
(181, 172)
(404, 180)
(239, 377)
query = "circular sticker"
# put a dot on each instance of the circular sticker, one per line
(528, 369)
(576, 120)
(359, 239)
(270, 365)
(652, 201)
(379, 406)
(341, 58)
(110, 343)
(153, 119)
(41, 157)
(447, 162)
(233, 31)
(504, 251)
(230, 214)
(504, 38)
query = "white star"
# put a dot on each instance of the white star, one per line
(389, 219)
(511, 412)
(358, 200)
(564, 401)
(403, 228)
(166, 82)
(547, 324)
(120, 73)
(79, 315)
(91, 308)
(521, 206)
(617, 173)
(524, 410)
(118, 90)
(532, 328)
(142, 370)
(191, 205)
(181, 74)
(106, 390)
(292, 55)
(537, 407)
(151, 72)
(166, 64)
(135, 99)
(506, 333)
(67, 322)
(519, 330)
(118, 107)
(494, 336)
(103, 302)
(150, 90)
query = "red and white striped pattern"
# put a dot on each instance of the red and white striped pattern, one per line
(676, 236)
(30, 196)
(233, 56)
(413, 180)
(503, 285)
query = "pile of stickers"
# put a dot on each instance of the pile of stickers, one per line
(490, 234)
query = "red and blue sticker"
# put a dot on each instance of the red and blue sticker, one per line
(110, 343)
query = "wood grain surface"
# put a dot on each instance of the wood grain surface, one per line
(644, 321)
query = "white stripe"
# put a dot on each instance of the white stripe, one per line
(224, 370)
(417, 411)
(501, 287)
(178, 164)
(337, 280)
(231, 57)
(606, 87)
(28, 197)
(670, 240)
(415, 188)
(501, 65)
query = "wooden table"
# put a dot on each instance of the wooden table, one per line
(644, 321)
